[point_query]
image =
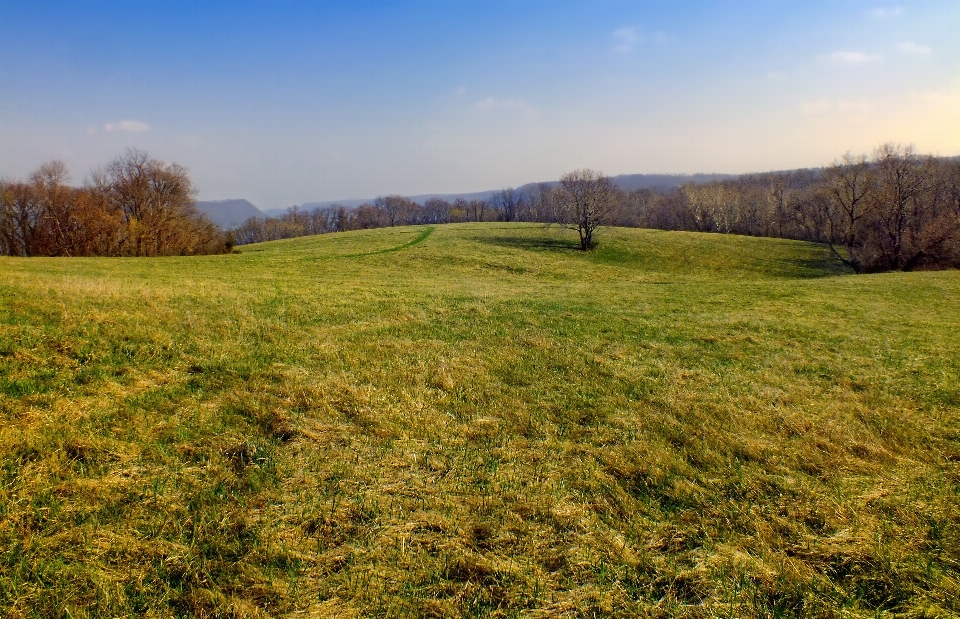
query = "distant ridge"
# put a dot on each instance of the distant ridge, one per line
(229, 213)
(659, 182)
(627, 182)
(631, 182)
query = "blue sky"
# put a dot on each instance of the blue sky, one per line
(286, 102)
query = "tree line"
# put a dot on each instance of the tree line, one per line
(896, 210)
(134, 206)
(893, 211)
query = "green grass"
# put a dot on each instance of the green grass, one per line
(479, 420)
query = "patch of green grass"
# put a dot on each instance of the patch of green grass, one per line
(479, 420)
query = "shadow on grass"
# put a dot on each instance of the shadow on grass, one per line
(531, 243)
(770, 263)
(616, 254)
(814, 268)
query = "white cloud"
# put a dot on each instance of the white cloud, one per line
(850, 58)
(883, 13)
(914, 49)
(626, 39)
(491, 105)
(126, 126)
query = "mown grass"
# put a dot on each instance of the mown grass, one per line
(479, 420)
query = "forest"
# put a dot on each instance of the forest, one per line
(134, 206)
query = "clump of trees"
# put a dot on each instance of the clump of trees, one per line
(898, 211)
(894, 210)
(135, 206)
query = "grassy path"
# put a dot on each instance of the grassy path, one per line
(416, 241)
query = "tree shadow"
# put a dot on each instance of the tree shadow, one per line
(771, 264)
(531, 243)
(813, 268)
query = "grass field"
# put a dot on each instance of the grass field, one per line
(479, 420)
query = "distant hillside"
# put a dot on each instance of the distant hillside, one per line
(659, 182)
(277, 212)
(229, 213)
(419, 199)
(627, 182)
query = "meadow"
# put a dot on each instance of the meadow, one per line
(479, 420)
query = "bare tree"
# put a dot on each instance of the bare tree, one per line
(397, 209)
(20, 219)
(588, 200)
(460, 211)
(369, 216)
(903, 202)
(156, 202)
(54, 202)
(507, 203)
(436, 211)
(477, 209)
(847, 186)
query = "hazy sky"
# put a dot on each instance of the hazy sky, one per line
(284, 102)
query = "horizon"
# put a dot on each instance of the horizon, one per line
(294, 103)
(455, 194)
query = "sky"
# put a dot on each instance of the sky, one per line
(284, 102)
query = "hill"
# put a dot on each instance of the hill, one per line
(479, 420)
(229, 213)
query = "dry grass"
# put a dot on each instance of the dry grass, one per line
(479, 421)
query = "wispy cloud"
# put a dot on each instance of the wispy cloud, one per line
(126, 126)
(885, 12)
(490, 105)
(626, 39)
(914, 49)
(849, 58)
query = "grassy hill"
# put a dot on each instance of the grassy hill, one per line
(479, 420)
